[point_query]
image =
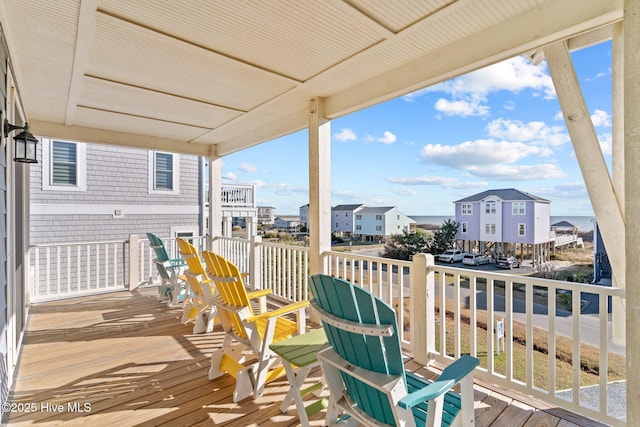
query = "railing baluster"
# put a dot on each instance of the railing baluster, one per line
(473, 348)
(604, 345)
(551, 340)
(68, 258)
(575, 361)
(529, 339)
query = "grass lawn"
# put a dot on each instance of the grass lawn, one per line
(589, 360)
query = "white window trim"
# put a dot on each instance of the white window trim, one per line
(522, 226)
(463, 228)
(181, 229)
(466, 209)
(47, 167)
(152, 174)
(515, 208)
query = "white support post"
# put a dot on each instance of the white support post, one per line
(319, 186)
(618, 163)
(423, 324)
(632, 202)
(590, 159)
(215, 197)
(251, 226)
(134, 261)
(227, 226)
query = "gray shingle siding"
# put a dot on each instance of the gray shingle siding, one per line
(118, 174)
(117, 178)
(82, 228)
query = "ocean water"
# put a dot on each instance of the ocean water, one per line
(584, 223)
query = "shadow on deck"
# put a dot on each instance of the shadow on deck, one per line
(124, 359)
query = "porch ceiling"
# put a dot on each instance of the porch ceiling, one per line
(214, 77)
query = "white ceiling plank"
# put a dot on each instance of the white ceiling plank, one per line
(526, 32)
(357, 15)
(86, 27)
(102, 136)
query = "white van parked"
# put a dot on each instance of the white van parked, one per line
(451, 256)
(475, 259)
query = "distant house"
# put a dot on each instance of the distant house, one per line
(504, 221)
(601, 265)
(564, 235)
(377, 223)
(287, 222)
(343, 219)
(266, 215)
(304, 215)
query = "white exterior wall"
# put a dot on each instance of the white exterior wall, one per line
(542, 220)
(396, 222)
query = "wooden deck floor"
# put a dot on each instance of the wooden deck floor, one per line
(124, 359)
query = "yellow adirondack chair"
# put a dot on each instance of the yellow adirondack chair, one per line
(198, 305)
(248, 335)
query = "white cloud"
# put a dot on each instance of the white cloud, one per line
(538, 133)
(490, 159)
(601, 118)
(442, 181)
(230, 176)
(258, 183)
(514, 75)
(509, 105)
(477, 153)
(285, 189)
(345, 134)
(405, 192)
(606, 143)
(464, 108)
(423, 180)
(387, 138)
(247, 167)
(517, 172)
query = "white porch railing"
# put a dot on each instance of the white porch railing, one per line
(386, 278)
(75, 269)
(444, 311)
(238, 196)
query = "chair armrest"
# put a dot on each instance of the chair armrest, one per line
(177, 262)
(289, 308)
(451, 375)
(431, 391)
(259, 293)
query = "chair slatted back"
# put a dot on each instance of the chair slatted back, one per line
(381, 354)
(158, 247)
(194, 264)
(230, 286)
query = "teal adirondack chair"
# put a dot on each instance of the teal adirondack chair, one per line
(171, 283)
(364, 368)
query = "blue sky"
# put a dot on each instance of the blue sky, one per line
(499, 127)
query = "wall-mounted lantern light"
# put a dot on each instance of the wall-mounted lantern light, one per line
(25, 143)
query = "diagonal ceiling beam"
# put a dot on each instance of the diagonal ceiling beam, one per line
(84, 39)
(587, 147)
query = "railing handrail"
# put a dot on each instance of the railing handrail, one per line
(100, 242)
(536, 281)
